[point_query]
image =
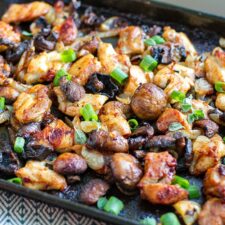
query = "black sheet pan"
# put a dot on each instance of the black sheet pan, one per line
(204, 30)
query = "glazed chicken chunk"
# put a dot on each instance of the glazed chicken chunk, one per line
(214, 182)
(32, 105)
(155, 185)
(130, 41)
(36, 175)
(26, 12)
(206, 153)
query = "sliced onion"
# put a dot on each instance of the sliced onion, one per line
(94, 159)
(88, 126)
(4, 116)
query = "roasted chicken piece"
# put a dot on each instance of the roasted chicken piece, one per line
(112, 115)
(169, 116)
(203, 87)
(26, 12)
(206, 153)
(36, 175)
(9, 93)
(4, 68)
(126, 170)
(83, 68)
(214, 182)
(220, 101)
(159, 167)
(32, 105)
(171, 35)
(40, 68)
(156, 185)
(175, 77)
(136, 77)
(148, 101)
(58, 134)
(8, 36)
(110, 59)
(73, 108)
(215, 66)
(130, 41)
(213, 213)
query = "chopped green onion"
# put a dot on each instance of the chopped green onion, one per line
(194, 192)
(148, 221)
(175, 126)
(15, 180)
(224, 139)
(133, 124)
(80, 137)
(184, 183)
(102, 202)
(19, 145)
(158, 39)
(196, 115)
(2, 104)
(118, 75)
(114, 205)
(26, 33)
(68, 56)
(60, 74)
(150, 42)
(88, 113)
(220, 86)
(148, 63)
(169, 219)
(177, 96)
(186, 104)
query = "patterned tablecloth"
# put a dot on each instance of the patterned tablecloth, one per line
(17, 210)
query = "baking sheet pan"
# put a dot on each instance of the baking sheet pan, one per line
(204, 30)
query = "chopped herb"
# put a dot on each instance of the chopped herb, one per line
(220, 87)
(175, 126)
(177, 96)
(148, 221)
(102, 202)
(80, 137)
(196, 115)
(26, 33)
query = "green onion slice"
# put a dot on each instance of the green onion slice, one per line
(158, 39)
(118, 75)
(224, 139)
(2, 104)
(114, 205)
(169, 219)
(59, 74)
(148, 221)
(177, 96)
(19, 145)
(220, 87)
(150, 42)
(88, 113)
(148, 63)
(26, 33)
(196, 115)
(186, 104)
(15, 180)
(184, 183)
(68, 56)
(194, 192)
(80, 137)
(133, 123)
(102, 202)
(175, 126)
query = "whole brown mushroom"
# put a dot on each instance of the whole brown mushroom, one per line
(148, 101)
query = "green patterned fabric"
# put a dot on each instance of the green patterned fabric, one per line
(17, 210)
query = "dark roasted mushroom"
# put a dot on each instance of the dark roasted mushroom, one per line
(148, 101)
(73, 91)
(92, 191)
(14, 54)
(151, 31)
(27, 130)
(188, 155)
(38, 25)
(103, 84)
(102, 141)
(161, 141)
(140, 136)
(36, 150)
(209, 127)
(217, 116)
(70, 164)
(126, 170)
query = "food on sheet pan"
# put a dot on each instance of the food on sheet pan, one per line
(135, 112)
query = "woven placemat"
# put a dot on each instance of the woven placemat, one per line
(18, 210)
